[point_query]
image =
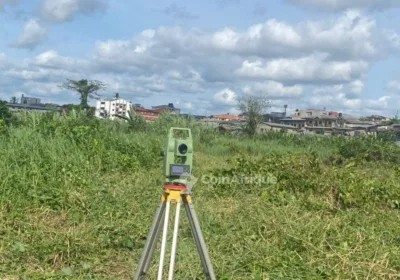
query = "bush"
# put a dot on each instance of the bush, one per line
(370, 149)
(303, 176)
(79, 194)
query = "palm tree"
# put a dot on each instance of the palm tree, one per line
(135, 122)
(85, 89)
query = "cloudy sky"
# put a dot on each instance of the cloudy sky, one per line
(201, 55)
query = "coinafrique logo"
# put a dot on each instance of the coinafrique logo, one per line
(190, 180)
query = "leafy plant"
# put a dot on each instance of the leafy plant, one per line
(135, 122)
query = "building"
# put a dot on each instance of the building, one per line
(296, 122)
(195, 117)
(30, 100)
(324, 121)
(269, 126)
(274, 117)
(210, 122)
(314, 113)
(116, 106)
(226, 117)
(328, 130)
(234, 127)
(312, 118)
(356, 123)
(147, 114)
(35, 107)
(32, 104)
(167, 108)
(109, 108)
(375, 118)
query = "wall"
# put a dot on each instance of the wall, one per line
(113, 107)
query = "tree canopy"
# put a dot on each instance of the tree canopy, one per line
(253, 107)
(85, 88)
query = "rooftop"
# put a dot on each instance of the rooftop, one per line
(280, 125)
(169, 106)
(360, 122)
(141, 109)
(290, 119)
(328, 128)
(322, 117)
(33, 106)
(226, 116)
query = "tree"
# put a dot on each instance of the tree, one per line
(5, 113)
(254, 107)
(14, 100)
(86, 89)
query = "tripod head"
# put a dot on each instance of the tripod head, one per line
(178, 156)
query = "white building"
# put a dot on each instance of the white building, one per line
(111, 107)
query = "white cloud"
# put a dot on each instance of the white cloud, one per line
(313, 68)
(26, 74)
(340, 102)
(3, 3)
(312, 63)
(353, 35)
(337, 98)
(259, 39)
(338, 5)
(44, 89)
(65, 10)
(225, 97)
(356, 86)
(52, 60)
(274, 90)
(185, 105)
(393, 87)
(3, 61)
(33, 34)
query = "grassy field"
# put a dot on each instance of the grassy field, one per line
(78, 197)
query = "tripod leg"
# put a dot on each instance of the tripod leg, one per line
(174, 242)
(164, 241)
(199, 239)
(156, 238)
(151, 242)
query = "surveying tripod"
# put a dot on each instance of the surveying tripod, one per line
(173, 194)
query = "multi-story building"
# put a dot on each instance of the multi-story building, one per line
(109, 108)
(32, 104)
(117, 106)
(312, 118)
(30, 100)
(274, 117)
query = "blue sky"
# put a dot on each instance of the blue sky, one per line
(203, 55)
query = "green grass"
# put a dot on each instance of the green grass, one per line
(78, 197)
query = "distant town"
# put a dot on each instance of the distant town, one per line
(302, 121)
